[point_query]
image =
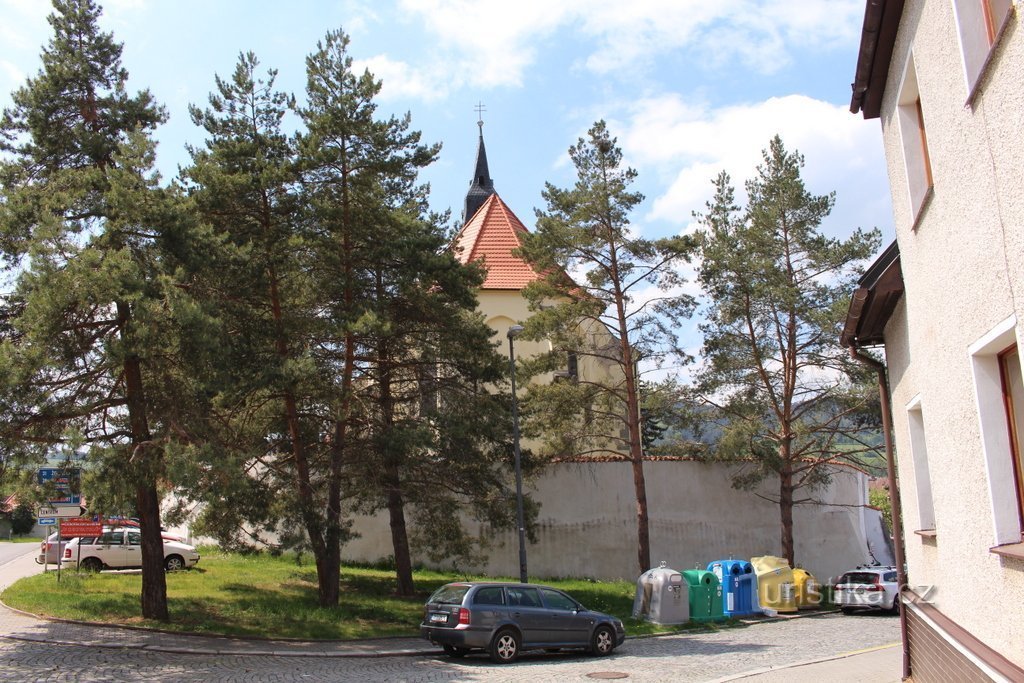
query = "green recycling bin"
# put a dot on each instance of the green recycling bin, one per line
(705, 595)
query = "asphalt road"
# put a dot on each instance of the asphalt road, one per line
(10, 551)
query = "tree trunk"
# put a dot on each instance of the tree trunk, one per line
(154, 581)
(399, 533)
(142, 462)
(786, 514)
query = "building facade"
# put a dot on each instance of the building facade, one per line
(945, 78)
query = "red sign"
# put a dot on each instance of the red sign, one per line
(72, 528)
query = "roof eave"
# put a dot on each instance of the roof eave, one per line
(874, 301)
(877, 40)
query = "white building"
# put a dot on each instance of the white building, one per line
(946, 80)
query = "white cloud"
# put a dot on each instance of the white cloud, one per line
(687, 145)
(494, 42)
(400, 80)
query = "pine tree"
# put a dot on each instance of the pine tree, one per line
(792, 399)
(586, 228)
(417, 428)
(98, 317)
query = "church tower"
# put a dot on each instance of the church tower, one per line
(481, 187)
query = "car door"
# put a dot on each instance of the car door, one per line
(567, 621)
(109, 547)
(527, 611)
(133, 550)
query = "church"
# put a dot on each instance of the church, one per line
(587, 520)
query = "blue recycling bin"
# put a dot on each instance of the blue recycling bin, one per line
(739, 586)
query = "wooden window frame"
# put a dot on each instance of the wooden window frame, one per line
(1013, 429)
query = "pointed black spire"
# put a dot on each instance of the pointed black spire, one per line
(481, 187)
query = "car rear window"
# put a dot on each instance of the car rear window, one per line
(452, 594)
(859, 577)
(491, 595)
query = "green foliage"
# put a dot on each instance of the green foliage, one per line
(607, 319)
(23, 518)
(99, 327)
(586, 229)
(789, 398)
(879, 498)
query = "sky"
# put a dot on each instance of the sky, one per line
(689, 87)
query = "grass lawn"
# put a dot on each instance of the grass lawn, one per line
(274, 597)
(20, 539)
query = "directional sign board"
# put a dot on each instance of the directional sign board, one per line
(46, 521)
(61, 511)
(65, 481)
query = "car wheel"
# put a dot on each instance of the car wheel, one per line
(894, 608)
(174, 563)
(90, 564)
(603, 641)
(847, 610)
(455, 652)
(504, 647)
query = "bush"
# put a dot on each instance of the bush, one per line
(23, 519)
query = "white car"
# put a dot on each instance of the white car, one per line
(121, 548)
(867, 588)
(50, 549)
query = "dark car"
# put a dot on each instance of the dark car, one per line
(507, 618)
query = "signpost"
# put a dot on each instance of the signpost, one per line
(60, 511)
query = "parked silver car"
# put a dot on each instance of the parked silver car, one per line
(867, 588)
(121, 548)
(507, 618)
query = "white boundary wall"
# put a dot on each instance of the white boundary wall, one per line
(587, 523)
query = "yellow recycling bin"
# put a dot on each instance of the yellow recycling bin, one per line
(775, 584)
(808, 590)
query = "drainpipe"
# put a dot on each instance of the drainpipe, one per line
(894, 494)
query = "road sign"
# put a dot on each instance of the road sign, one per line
(62, 511)
(46, 521)
(71, 528)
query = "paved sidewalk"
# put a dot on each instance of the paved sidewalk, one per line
(874, 665)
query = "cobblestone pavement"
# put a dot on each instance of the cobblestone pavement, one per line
(690, 657)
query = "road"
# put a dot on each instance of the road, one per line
(10, 551)
(691, 657)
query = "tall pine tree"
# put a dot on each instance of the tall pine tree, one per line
(586, 229)
(792, 400)
(99, 316)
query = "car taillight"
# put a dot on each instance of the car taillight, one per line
(463, 616)
(67, 553)
(873, 588)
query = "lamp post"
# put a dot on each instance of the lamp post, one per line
(514, 332)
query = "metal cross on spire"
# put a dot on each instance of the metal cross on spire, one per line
(480, 109)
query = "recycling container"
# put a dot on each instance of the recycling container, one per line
(705, 595)
(739, 586)
(808, 590)
(775, 588)
(662, 597)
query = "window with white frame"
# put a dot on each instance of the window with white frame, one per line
(999, 391)
(922, 476)
(979, 23)
(917, 160)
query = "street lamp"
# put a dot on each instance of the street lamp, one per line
(514, 332)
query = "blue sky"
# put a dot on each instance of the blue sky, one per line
(689, 87)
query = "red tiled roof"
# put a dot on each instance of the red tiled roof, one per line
(491, 235)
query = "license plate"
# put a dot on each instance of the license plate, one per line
(438, 617)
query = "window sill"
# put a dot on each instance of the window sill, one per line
(1011, 550)
(930, 534)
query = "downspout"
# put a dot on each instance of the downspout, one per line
(894, 494)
